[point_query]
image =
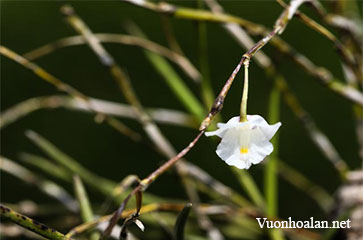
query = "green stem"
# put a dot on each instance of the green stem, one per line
(46, 166)
(177, 85)
(249, 184)
(102, 184)
(84, 204)
(50, 188)
(297, 179)
(271, 184)
(31, 224)
(243, 113)
(172, 79)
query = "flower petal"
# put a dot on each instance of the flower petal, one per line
(258, 135)
(270, 130)
(232, 123)
(259, 151)
(219, 132)
(256, 120)
(229, 144)
(234, 160)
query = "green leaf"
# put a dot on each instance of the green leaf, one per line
(181, 221)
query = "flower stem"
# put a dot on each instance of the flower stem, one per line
(243, 114)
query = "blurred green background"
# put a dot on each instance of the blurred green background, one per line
(26, 25)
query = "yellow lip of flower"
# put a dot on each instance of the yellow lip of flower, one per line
(243, 150)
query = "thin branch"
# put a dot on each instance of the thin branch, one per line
(160, 115)
(319, 139)
(217, 106)
(208, 183)
(175, 207)
(145, 183)
(279, 27)
(349, 27)
(180, 60)
(150, 127)
(320, 73)
(346, 56)
(289, 174)
(169, 34)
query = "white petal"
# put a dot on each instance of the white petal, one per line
(258, 135)
(228, 145)
(256, 120)
(234, 160)
(219, 132)
(232, 123)
(259, 151)
(270, 130)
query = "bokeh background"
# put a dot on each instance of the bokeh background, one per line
(26, 25)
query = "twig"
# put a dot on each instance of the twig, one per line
(151, 129)
(68, 89)
(346, 56)
(160, 115)
(150, 179)
(217, 106)
(170, 36)
(318, 137)
(207, 94)
(205, 208)
(320, 140)
(210, 183)
(179, 59)
(321, 74)
(324, 76)
(102, 185)
(279, 27)
(31, 224)
(347, 26)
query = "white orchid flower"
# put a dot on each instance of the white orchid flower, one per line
(244, 143)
